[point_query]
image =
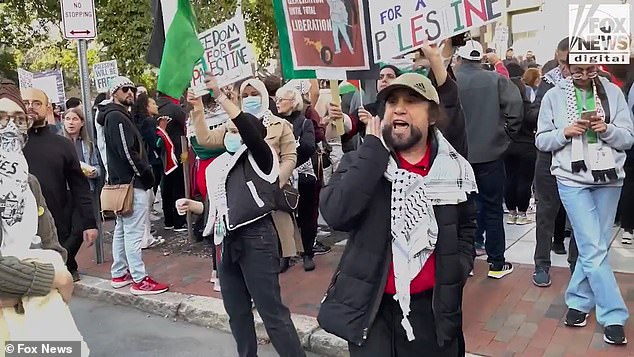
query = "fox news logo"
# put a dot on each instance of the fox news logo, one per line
(599, 33)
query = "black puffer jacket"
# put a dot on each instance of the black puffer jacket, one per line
(357, 200)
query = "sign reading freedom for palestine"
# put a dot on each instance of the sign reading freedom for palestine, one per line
(401, 26)
(226, 54)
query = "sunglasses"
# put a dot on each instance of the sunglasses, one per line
(127, 89)
(22, 121)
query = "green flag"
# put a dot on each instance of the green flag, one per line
(181, 50)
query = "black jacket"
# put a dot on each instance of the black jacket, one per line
(304, 132)
(125, 149)
(53, 161)
(147, 129)
(357, 200)
(175, 127)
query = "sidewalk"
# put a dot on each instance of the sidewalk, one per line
(509, 317)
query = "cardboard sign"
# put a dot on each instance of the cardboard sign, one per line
(226, 55)
(327, 34)
(401, 26)
(104, 72)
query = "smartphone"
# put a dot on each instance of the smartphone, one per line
(587, 114)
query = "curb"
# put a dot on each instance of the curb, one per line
(209, 312)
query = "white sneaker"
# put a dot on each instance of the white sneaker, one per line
(521, 219)
(214, 277)
(627, 237)
(512, 218)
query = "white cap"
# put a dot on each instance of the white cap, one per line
(120, 82)
(472, 50)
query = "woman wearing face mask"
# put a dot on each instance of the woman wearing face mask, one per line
(586, 124)
(289, 105)
(241, 185)
(279, 135)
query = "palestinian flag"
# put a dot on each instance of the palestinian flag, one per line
(174, 47)
(170, 162)
(349, 86)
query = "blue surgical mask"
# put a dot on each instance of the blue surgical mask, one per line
(233, 141)
(252, 105)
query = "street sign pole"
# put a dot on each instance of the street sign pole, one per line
(82, 49)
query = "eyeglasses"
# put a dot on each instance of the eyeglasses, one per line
(589, 74)
(21, 120)
(127, 89)
(36, 104)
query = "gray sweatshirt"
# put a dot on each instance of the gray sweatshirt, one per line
(550, 134)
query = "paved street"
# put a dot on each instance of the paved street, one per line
(122, 331)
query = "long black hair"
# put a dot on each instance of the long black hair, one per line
(139, 110)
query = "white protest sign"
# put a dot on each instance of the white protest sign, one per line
(52, 83)
(25, 78)
(501, 38)
(401, 26)
(226, 54)
(104, 72)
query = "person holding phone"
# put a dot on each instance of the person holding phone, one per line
(586, 124)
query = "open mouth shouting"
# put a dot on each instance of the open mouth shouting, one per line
(400, 127)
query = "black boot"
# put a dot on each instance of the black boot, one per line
(309, 264)
(285, 263)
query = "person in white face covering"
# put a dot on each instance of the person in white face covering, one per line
(279, 135)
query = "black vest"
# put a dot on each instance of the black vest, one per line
(250, 192)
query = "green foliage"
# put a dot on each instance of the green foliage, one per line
(124, 29)
(8, 66)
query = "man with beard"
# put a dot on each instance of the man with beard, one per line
(403, 197)
(128, 163)
(53, 160)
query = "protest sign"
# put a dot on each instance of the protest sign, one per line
(25, 78)
(401, 26)
(226, 55)
(324, 34)
(501, 38)
(104, 72)
(52, 83)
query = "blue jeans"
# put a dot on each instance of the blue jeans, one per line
(591, 211)
(490, 177)
(128, 237)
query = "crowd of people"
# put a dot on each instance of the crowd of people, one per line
(419, 178)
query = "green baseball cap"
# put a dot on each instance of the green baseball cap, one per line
(418, 83)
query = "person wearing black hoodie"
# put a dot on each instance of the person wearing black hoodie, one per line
(53, 160)
(172, 186)
(127, 163)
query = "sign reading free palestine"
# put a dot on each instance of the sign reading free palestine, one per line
(401, 26)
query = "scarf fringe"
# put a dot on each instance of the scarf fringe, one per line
(579, 166)
(604, 175)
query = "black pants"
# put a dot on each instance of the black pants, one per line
(489, 199)
(306, 212)
(387, 338)
(157, 170)
(72, 240)
(249, 268)
(173, 188)
(627, 199)
(559, 234)
(548, 207)
(520, 168)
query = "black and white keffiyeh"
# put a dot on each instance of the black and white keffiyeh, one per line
(599, 157)
(413, 223)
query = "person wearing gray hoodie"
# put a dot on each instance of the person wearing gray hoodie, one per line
(585, 123)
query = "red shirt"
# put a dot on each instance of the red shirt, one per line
(425, 279)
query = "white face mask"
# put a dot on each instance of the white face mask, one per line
(232, 142)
